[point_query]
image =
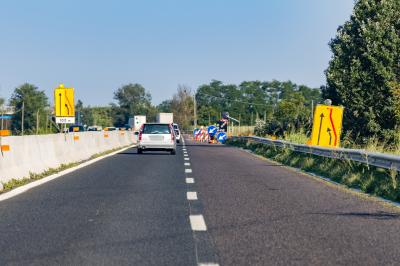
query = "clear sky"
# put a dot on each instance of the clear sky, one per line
(96, 46)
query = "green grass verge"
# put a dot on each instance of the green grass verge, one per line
(369, 179)
(14, 183)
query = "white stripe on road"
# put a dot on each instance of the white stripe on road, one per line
(187, 164)
(189, 180)
(208, 264)
(188, 171)
(187, 159)
(191, 195)
(197, 223)
(185, 155)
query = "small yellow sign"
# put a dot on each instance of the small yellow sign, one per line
(327, 126)
(64, 101)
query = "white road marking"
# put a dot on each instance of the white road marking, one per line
(187, 159)
(188, 171)
(208, 264)
(197, 222)
(191, 195)
(186, 155)
(189, 180)
(187, 164)
(24, 188)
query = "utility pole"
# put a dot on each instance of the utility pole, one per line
(195, 110)
(312, 110)
(22, 118)
(37, 122)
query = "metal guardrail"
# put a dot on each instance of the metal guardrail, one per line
(382, 160)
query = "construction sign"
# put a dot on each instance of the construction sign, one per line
(64, 105)
(327, 126)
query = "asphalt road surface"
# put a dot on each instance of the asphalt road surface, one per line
(208, 204)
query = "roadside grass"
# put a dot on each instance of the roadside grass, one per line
(369, 179)
(14, 183)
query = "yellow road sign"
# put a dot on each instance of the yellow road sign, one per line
(64, 102)
(327, 126)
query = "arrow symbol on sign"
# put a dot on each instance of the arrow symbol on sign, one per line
(320, 127)
(333, 126)
(66, 105)
(60, 102)
(330, 135)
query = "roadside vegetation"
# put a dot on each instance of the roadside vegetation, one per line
(369, 179)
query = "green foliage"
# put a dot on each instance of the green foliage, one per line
(364, 72)
(34, 102)
(284, 106)
(370, 179)
(132, 100)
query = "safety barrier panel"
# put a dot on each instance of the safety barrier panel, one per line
(37, 153)
(381, 160)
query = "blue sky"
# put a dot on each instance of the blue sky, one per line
(97, 46)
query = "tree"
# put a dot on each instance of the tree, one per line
(365, 68)
(182, 107)
(133, 100)
(34, 102)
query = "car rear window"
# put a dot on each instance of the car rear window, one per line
(156, 129)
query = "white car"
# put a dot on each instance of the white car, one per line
(177, 132)
(156, 136)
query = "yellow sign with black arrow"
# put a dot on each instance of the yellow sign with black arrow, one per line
(64, 105)
(327, 126)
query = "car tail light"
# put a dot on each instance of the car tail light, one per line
(172, 133)
(141, 132)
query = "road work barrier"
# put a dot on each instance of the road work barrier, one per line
(38, 153)
(381, 160)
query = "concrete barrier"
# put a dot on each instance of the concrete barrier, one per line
(38, 153)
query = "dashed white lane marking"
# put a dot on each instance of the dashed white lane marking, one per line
(189, 180)
(188, 171)
(186, 159)
(208, 264)
(191, 195)
(185, 155)
(197, 222)
(187, 164)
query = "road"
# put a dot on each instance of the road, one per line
(132, 209)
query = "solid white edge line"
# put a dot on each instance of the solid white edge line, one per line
(188, 171)
(191, 195)
(24, 188)
(189, 180)
(197, 222)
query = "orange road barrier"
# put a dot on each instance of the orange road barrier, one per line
(5, 147)
(5, 133)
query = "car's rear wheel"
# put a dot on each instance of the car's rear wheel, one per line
(173, 152)
(139, 151)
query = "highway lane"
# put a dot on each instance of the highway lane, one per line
(127, 209)
(261, 213)
(209, 203)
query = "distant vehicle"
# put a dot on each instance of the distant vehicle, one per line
(177, 132)
(127, 127)
(137, 121)
(110, 128)
(156, 136)
(76, 128)
(165, 118)
(94, 128)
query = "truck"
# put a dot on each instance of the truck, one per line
(165, 118)
(136, 122)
